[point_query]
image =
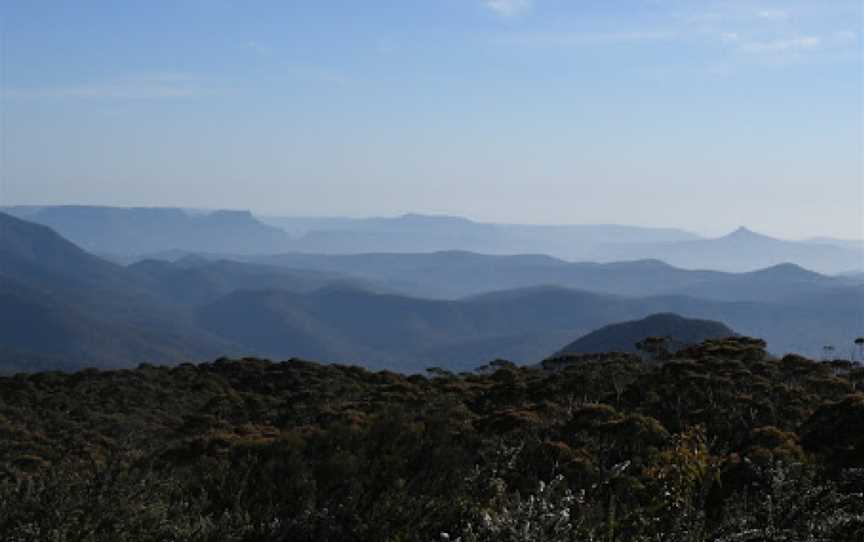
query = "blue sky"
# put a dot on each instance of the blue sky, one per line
(699, 114)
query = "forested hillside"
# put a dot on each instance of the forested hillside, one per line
(719, 443)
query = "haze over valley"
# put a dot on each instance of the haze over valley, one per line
(400, 311)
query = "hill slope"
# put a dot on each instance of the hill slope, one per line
(194, 281)
(60, 303)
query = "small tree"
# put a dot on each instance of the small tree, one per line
(654, 347)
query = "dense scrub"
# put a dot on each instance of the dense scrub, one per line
(719, 443)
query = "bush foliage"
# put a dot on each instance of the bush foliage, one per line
(720, 442)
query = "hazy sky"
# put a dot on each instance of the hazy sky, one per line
(699, 114)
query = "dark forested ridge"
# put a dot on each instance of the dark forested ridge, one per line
(670, 331)
(719, 442)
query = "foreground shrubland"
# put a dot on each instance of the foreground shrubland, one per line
(719, 442)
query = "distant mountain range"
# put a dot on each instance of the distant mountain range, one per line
(744, 249)
(422, 233)
(676, 330)
(137, 232)
(62, 307)
(741, 250)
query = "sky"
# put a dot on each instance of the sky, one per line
(699, 114)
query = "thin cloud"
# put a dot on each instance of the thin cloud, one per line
(797, 44)
(701, 18)
(573, 39)
(509, 8)
(773, 14)
(132, 87)
(623, 37)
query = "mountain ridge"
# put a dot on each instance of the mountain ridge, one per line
(124, 232)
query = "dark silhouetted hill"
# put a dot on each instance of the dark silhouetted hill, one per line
(622, 337)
